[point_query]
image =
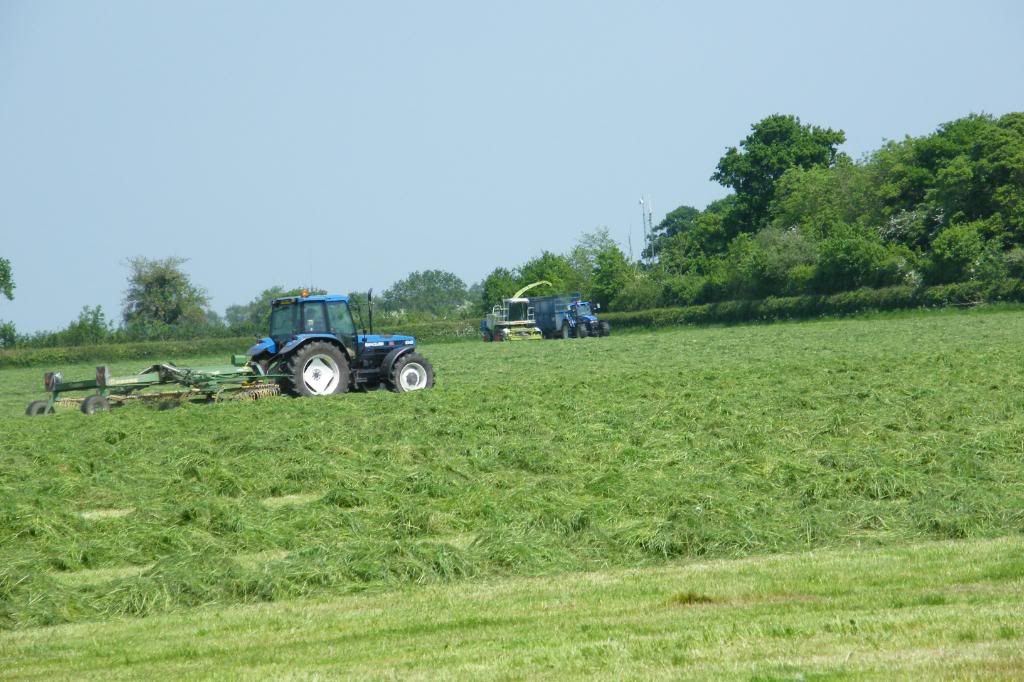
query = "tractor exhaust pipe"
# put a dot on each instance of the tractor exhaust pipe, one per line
(369, 307)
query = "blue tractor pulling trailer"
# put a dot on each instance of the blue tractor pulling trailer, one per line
(566, 317)
(314, 347)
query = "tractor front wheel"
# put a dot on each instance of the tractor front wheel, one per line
(581, 330)
(412, 372)
(318, 369)
(606, 328)
(566, 332)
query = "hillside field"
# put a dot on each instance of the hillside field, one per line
(868, 467)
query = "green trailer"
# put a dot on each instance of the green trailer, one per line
(162, 383)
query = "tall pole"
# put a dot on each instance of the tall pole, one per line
(643, 223)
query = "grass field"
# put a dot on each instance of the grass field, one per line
(941, 610)
(641, 455)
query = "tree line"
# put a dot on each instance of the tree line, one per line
(801, 217)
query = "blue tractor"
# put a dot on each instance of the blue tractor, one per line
(314, 349)
(566, 317)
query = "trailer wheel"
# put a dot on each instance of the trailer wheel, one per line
(606, 328)
(318, 369)
(412, 372)
(38, 407)
(94, 404)
(566, 332)
(581, 330)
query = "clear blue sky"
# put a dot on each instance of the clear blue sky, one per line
(347, 144)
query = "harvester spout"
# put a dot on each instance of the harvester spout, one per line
(519, 294)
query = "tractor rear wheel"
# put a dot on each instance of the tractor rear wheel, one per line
(318, 369)
(94, 404)
(38, 407)
(412, 372)
(566, 333)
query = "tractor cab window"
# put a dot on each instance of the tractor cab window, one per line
(582, 309)
(282, 322)
(341, 318)
(313, 319)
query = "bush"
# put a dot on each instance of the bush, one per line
(643, 292)
(956, 254)
(851, 260)
(150, 351)
(804, 307)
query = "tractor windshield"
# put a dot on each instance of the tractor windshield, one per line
(583, 309)
(282, 322)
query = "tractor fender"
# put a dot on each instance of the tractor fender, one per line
(392, 357)
(301, 340)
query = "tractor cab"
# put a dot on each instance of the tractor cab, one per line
(295, 316)
(581, 309)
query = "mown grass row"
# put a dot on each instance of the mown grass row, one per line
(944, 610)
(534, 458)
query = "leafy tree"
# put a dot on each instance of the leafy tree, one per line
(159, 292)
(968, 170)
(691, 250)
(583, 260)
(8, 334)
(435, 292)
(640, 293)
(6, 279)
(612, 272)
(500, 284)
(816, 199)
(254, 316)
(853, 258)
(956, 254)
(92, 326)
(474, 296)
(772, 262)
(775, 145)
(682, 219)
(551, 267)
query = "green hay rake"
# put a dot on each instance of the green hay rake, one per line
(164, 383)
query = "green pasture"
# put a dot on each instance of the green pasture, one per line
(858, 438)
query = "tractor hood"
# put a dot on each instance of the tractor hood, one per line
(385, 340)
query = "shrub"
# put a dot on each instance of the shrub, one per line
(803, 307)
(850, 260)
(956, 254)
